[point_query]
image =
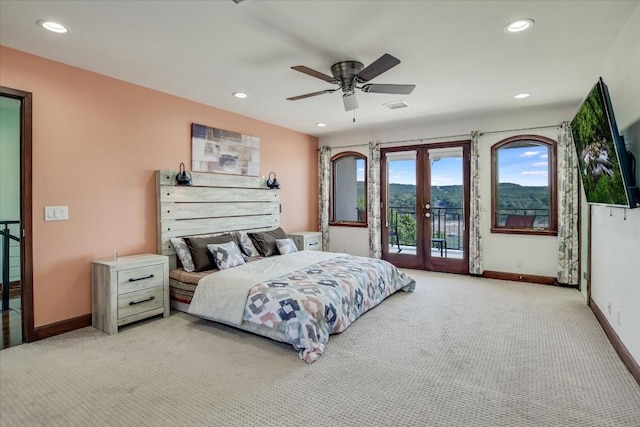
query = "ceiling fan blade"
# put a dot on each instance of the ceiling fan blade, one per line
(382, 88)
(314, 73)
(308, 95)
(379, 66)
(350, 101)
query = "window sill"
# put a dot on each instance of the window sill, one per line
(348, 224)
(530, 231)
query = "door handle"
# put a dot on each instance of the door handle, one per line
(427, 214)
(427, 206)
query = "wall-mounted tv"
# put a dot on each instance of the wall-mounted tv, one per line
(606, 168)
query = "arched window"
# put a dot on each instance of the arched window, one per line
(523, 185)
(349, 189)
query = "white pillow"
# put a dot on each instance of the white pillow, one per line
(286, 246)
(184, 255)
(226, 255)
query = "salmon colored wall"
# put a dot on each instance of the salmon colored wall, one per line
(97, 143)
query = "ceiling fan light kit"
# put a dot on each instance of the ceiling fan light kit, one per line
(350, 75)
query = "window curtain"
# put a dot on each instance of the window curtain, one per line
(568, 250)
(475, 258)
(373, 201)
(324, 169)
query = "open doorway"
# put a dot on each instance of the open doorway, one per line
(16, 273)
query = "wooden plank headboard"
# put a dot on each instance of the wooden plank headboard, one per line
(216, 203)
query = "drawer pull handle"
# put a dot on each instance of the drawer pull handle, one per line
(144, 300)
(313, 244)
(142, 278)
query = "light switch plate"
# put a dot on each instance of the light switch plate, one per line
(56, 213)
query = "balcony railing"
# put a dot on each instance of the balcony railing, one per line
(446, 223)
(541, 216)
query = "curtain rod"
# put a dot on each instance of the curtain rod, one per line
(519, 129)
(449, 136)
(404, 140)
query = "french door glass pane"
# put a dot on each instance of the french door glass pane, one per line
(447, 202)
(401, 201)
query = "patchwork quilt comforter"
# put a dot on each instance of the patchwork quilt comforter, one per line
(303, 299)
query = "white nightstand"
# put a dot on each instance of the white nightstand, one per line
(128, 289)
(307, 240)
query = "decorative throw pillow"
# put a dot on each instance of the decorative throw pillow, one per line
(182, 250)
(286, 246)
(226, 255)
(265, 241)
(245, 244)
(202, 258)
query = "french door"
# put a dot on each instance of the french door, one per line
(425, 206)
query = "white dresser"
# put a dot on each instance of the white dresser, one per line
(128, 289)
(307, 240)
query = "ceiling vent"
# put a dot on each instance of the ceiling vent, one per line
(396, 105)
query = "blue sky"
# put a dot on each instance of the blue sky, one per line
(526, 166)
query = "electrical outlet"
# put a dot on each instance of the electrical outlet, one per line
(519, 263)
(609, 307)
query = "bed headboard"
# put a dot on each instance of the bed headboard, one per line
(215, 203)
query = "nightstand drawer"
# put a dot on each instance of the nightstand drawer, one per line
(140, 301)
(136, 279)
(312, 243)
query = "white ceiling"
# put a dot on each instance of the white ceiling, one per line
(455, 52)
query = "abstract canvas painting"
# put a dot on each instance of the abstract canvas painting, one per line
(223, 151)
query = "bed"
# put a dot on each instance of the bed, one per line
(299, 298)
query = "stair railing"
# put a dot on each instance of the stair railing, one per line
(6, 236)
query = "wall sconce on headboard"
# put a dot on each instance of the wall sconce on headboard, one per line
(183, 177)
(273, 183)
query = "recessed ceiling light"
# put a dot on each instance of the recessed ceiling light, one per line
(53, 26)
(321, 125)
(519, 25)
(522, 95)
(239, 94)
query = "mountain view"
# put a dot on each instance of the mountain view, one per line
(512, 196)
(402, 202)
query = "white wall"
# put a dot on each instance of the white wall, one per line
(10, 178)
(501, 252)
(615, 232)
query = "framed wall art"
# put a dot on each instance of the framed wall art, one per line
(222, 151)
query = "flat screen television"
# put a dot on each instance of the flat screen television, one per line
(606, 168)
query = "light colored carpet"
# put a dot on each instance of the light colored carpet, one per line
(459, 351)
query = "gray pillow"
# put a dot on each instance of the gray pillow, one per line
(184, 255)
(265, 241)
(203, 259)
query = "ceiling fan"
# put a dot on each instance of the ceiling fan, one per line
(350, 75)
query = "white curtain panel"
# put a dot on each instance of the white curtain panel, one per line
(475, 254)
(324, 169)
(568, 250)
(373, 201)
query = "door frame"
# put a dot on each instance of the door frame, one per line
(26, 211)
(423, 192)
